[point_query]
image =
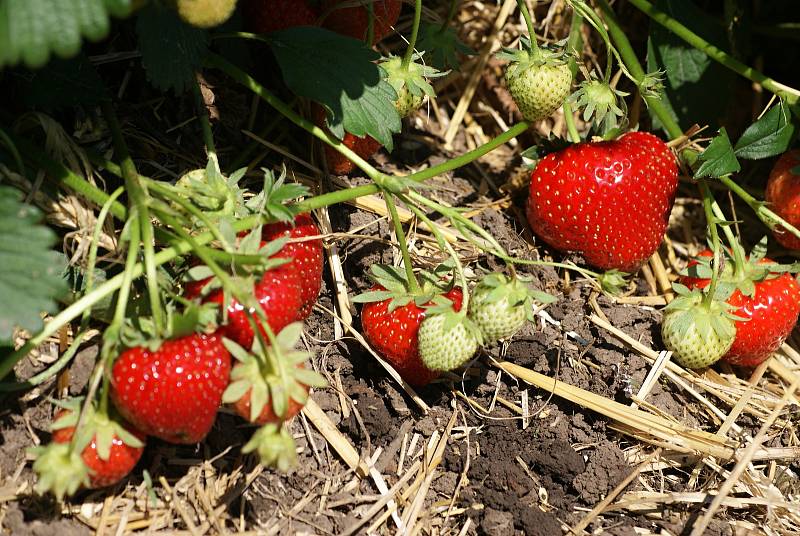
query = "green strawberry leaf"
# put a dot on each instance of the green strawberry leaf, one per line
(338, 72)
(32, 277)
(442, 45)
(171, 49)
(769, 136)
(718, 159)
(32, 30)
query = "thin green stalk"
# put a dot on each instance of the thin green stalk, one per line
(764, 214)
(462, 279)
(720, 56)
(708, 201)
(730, 237)
(92, 257)
(628, 56)
(138, 197)
(413, 284)
(570, 122)
(250, 83)
(523, 7)
(414, 31)
(370, 24)
(205, 123)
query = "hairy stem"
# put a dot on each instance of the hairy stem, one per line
(413, 284)
(523, 7)
(708, 202)
(205, 123)
(414, 32)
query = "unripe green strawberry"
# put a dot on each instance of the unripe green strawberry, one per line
(205, 13)
(409, 82)
(447, 341)
(698, 334)
(500, 306)
(539, 80)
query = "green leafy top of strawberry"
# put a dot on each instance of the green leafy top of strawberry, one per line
(397, 289)
(743, 276)
(271, 374)
(526, 58)
(515, 290)
(194, 318)
(411, 79)
(601, 101)
(274, 446)
(714, 315)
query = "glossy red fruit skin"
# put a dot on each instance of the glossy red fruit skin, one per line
(783, 196)
(307, 257)
(102, 473)
(267, 415)
(264, 16)
(172, 393)
(609, 200)
(772, 312)
(354, 21)
(338, 164)
(278, 292)
(394, 335)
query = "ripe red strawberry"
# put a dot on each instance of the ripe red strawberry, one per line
(394, 334)
(608, 200)
(306, 256)
(771, 310)
(354, 21)
(338, 164)
(267, 415)
(120, 459)
(783, 195)
(279, 293)
(172, 391)
(263, 16)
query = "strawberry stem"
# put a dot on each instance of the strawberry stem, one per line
(569, 120)
(138, 197)
(413, 284)
(414, 31)
(738, 253)
(523, 7)
(711, 220)
(370, 37)
(205, 123)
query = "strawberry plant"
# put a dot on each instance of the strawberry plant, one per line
(216, 217)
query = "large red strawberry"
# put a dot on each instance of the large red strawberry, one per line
(391, 318)
(768, 300)
(101, 454)
(306, 256)
(107, 464)
(783, 195)
(172, 390)
(609, 200)
(354, 21)
(339, 164)
(263, 16)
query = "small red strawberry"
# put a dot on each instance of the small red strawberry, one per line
(763, 294)
(270, 385)
(391, 318)
(264, 16)
(354, 21)
(172, 389)
(277, 291)
(104, 452)
(609, 200)
(783, 195)
(338, 164)
(306, 256)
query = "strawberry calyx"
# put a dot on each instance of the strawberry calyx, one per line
(392, 284)
(60, 469)
(410, 82)
(707, 315)
(739, 271)
(274, 446)
(218, 196)
(526, 57)
(599, 100)
(194, 318)
(497, 287)
(612, 282)
(271, 374)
